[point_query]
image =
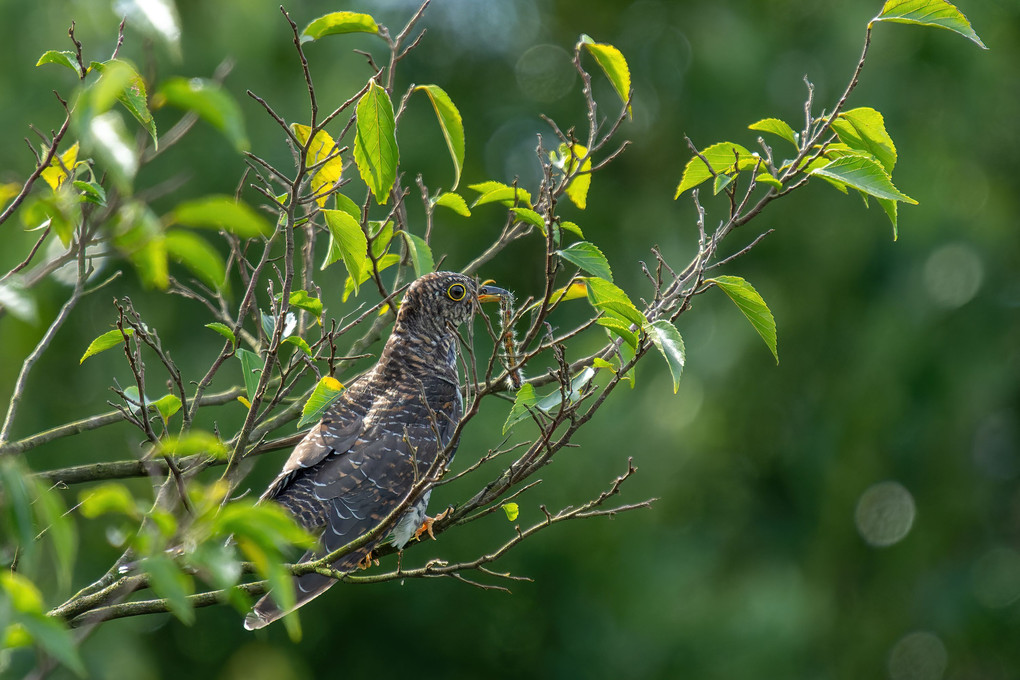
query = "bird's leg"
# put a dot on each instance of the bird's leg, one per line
(367, 562)
(426, 525)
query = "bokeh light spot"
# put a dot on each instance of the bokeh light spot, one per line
(885, 512)
(918, 656)
(953, 275)
(997, 578)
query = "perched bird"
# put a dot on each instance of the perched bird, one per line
(381, 436)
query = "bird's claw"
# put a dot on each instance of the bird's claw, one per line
(367, 562)
(426, 525)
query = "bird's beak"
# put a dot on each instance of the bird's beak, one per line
(489, 293)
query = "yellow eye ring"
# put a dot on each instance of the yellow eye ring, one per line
(456, 292)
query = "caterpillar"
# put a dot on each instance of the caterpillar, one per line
(515, 377)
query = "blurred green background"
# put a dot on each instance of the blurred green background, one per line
(891, 419)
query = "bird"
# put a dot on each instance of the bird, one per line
(382, 435)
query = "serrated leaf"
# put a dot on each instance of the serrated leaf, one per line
(192, 443)
(375, 144)
(588, 257)
(250, 362)
(577, 190)
(199, 257)
(223, 330)
(493, 191)
(222, 212)
(512, 511)
(864, 175)
(111, 497)
(454, 202)
(525, 399)
(321, 148)
(211, 102)
(572, 228)
(107, 340)
(613, 64)
(724, 158)
(168, 581)
(766, 178)
(347, 242)
(302, 300)
(752, 306)
(167, 405)
(619, 328)
(384, 262)
(938, 13)
(452, 125)
(54, 174)
(608, 297)
(531, 217)
(119, 82)
(775, 126)
(863, 129)
(337, 23)
(300, 343)
(326, 391)
(421, 254)
(667, 340)
(348, 206)
(891, 209)
(63, 58)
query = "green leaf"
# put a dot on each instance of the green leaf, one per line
(111, 497)
(380, 236)
(302, 300)
(492, 192)
(375, 144)
(384, 262)
(608, 297)
(577, 190)
(48, 632)
(863, 129)
(322, 147)
(766, 178)
(167, 405)
(223, 330)
(751, 304)
(221, 212)
(525, 399)
(599, 362)
(454, 202)
(347, 242)
(863, 174)
(170, 582)
(211, 102)
(891, 209)
(938, 13)
(107, 340)
(613, 64)
(552, 400)
(192, 443)
(720, 183)
(326, 391)
(199, 257)
(421, 254)
(572, 228)
(119, 82)
(619, 328)
(724, 158)
(250, 362)
(588, 257)
(91, 192)
(452, 125)
(512, 510)
(300, 343)
(336, 23)
(530, 216)
(64, 58)
(775, 126)
(668, 341)
(17, 508)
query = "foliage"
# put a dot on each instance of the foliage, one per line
(256, 280)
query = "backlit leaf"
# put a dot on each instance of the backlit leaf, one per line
(326, 391)
(775, 126)
(167, 405)
(192, 443)
(111, 497)
(724, 157)
(168, 581)
(525, 399)
(375, 143)
(64, 58)
(452, 125)
(863, 129)
(454, 202)
(223, 330)
(336, 23)
(512, 511)
(347, 242)
(107, 340)
(608, 297)
(421, 254)
(199, 257)
(222, 212)
(863, 174)
(577, 190)
(55, 174)
(211, 102)
(250, 363)
(752, 306)
(938, 13)
(614, 65)
(588, 257)
(493, 191)
(321, 148)
(667, 340)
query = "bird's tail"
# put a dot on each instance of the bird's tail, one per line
(307, 587)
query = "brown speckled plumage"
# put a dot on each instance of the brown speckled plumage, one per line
(365, 455)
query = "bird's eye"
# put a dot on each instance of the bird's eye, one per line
(456, 292)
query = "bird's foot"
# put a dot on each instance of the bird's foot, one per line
(368, 562)
(426, 525)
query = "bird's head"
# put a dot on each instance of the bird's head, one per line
(442, 299)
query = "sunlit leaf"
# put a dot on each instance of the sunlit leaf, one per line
(347, 242)
(620, 329)
(336, 23)
(512, 510)
(552, 401)
(63, 58)
(421, 254)
(121, 82)
(199, 257)
(577, 190)
(167, 405)
(865, 175)
(529, 216)
(572, 228)
(171, 583)
(493, 191)
(384, 262)
(752, 306)
(452, 125)
(454, 202)
(302, 300)
(55, 174)
(348, 206)
(211, 103)
(222, 212)
(724, 158)
(107, 498)
(667, 340)
(107, 340)
(613, 64)
(608, 297)
(321, 148)
(250, 363)
(223, 330)
(938, 13)
(599, 362)
(375, 142)
(863, 129)
(588, 257)
(192, 443)
(525, 399)
(775, 126)
(91, 192)
(300, 343)
(326, 391)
